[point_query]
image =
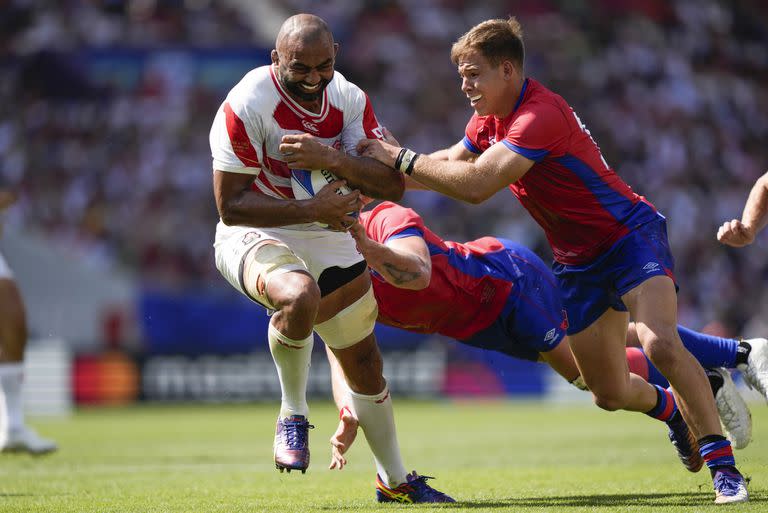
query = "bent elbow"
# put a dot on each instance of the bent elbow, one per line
(422, 280)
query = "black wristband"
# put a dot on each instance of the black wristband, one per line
(399, 159)
(409, 169)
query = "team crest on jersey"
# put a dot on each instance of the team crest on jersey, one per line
(312, 127)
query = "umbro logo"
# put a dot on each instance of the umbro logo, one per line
(312, 127)
(650, 267)
(550, 335)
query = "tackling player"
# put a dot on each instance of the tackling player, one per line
(15, 435)
(270, 248)
(612, 258)
(497, 295)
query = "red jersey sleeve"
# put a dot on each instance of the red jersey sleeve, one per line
(389, 220)
(540, 130)
(470, 135)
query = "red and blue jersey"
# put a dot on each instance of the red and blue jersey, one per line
(470, 281)
(580, 202)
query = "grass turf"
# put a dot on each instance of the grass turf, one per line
(490, 456)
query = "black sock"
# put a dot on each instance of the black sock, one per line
(709, 439)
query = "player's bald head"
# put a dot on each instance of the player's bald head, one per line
(304, 55)
(303, 30)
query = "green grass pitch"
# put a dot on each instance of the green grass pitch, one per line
(490, 456)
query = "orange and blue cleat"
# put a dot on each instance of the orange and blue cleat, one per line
(414, 490)
(685, 443)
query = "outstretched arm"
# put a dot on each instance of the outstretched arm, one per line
(404, 262)
(473, 182)
(754, 218)
(346, 432)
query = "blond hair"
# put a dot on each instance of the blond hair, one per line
(497, 40)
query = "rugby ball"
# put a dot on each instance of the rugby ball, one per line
(305, 184)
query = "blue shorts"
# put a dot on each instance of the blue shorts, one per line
(533, 319)
(590, 290)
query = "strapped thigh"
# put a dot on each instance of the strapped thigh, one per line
(264, 261)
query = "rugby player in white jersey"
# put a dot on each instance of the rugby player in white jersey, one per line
(15, 435)
(275, 249)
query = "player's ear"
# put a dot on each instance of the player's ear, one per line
(275, 58)
(335, 49)
(509, 70)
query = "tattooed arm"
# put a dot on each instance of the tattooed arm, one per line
(403, 262)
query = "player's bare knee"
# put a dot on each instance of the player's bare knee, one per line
(663, 350)
(298, 296)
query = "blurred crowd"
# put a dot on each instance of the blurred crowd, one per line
(673, 91)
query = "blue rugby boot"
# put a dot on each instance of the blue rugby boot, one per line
(414, 490)
(685, 443)
(292, 443)
(729, 486)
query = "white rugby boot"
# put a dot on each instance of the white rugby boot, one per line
(735, 417)
(756, 370)
(25, 439)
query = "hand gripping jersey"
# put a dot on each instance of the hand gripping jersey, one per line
(469, 286)
(258, 112)
(580, 202)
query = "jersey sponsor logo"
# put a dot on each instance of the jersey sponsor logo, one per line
(650, 267)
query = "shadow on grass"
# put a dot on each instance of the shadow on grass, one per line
(577, 501)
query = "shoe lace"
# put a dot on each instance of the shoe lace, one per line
(419, 483)
(727, 483)
(296, 433)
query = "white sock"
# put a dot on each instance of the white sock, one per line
(11, 377)
(376, 417)
(292, 359)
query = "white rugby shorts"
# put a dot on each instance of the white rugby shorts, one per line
(317, 250)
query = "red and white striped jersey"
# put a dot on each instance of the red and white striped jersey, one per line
(258, 112)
